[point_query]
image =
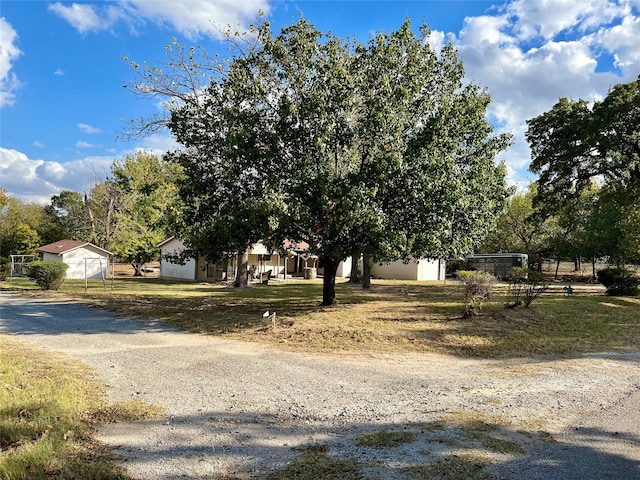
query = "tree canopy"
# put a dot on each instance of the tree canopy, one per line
(588, 159)
(145, 189)
(575, 144)
(379, 148)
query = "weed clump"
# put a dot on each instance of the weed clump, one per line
(477, 290)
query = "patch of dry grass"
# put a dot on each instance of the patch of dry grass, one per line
(392, 317)
(455, 467)
(48, 408)
(314, 463)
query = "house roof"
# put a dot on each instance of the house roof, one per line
(162, 243)
(63, 246)
(259, 248)
(296, 246)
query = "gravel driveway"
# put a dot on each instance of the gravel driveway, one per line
(241, 409)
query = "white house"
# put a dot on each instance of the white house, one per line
(261, 260)
(169, 269)
(292, 259)
(85, 259)
(412, 270)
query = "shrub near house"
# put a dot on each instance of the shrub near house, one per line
(48, 275)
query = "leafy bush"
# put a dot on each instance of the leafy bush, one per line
(619, 281)
(48, 275)
(524, 287)
(5, 268)
(477, 290)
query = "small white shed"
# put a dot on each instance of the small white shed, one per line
(85, 259)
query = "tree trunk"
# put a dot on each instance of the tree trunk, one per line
(92, 220)
(593, 267)
(557, 268)
(354, 277)
(329, 281)
(366, 272)
(242, 276)
(137, 269)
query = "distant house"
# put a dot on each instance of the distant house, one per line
(293, 259)
(85, 259)
(412, 270)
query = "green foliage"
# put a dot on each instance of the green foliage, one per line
(24, 226)
(524, 287)
(575, 146)
(5, 268)
(143, 193)
(620, 281)
(379, 148)
(47, 275)
(520, 229)
(70, 214)
(477, 290)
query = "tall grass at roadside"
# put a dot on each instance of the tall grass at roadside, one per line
(48, 409)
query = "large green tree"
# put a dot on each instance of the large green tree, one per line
(147, 205)
(69, 213)
(23, 225)
(129, 212)
(377, 148)
(574, 146)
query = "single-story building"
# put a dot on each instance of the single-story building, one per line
(85, 260)
(422, 270)
(291, 260)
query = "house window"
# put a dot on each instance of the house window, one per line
(265, 258)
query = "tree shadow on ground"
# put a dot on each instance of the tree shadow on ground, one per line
(256, 445)
(47, 316)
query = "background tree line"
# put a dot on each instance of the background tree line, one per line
(128, 213)
(377, 149)
(585, 206)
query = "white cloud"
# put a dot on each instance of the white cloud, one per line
(192, 18)
(530, 54)
(59, 72)
(486, 30)
(37, 180)
(88, 128)
(9, 53)
(548, 18)
(81, 144)
(623, 41)
(38, 143)
(87, 18)
(158, 144)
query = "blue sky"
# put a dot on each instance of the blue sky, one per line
(62, 101)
